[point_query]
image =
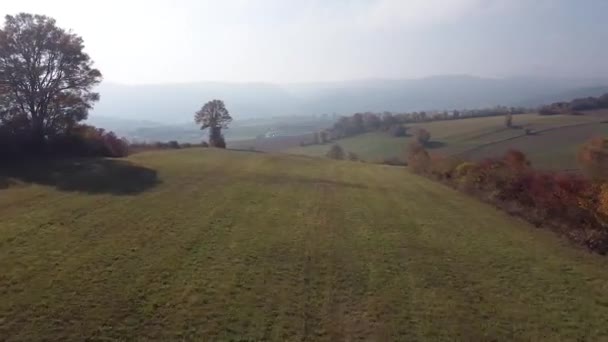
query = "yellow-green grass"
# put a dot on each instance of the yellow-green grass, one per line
(218, 245)
(467, 136)
(553, 150)
(373, 146)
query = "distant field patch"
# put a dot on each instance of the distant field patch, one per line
(554, 147)
(369, 146)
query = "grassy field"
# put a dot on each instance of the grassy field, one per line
(218, 245)
(369, 146)
(553, 147)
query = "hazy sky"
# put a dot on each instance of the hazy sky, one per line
(153, 41)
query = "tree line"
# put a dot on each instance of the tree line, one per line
(395, 123)
(575, 106)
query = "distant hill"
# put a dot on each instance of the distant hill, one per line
(176, 103)
(567, 95)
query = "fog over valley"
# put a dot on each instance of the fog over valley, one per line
(125, 108)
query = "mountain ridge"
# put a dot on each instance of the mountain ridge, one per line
(176, 102)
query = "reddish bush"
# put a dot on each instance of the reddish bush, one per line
(464, 168)
(114, 146)
(98, 142)
(86, 141)
(516, 160)
(489, 174)
(602, 201)
(444, 168)
(571, 204)
(593, 158)
(79, 141)
(418, 158)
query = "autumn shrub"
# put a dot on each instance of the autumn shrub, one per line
(418, 158)
(79, 141)
(602, 201)
(571, 204)
(464, 179)
(489, 174)
(593, 158)
(87, 141)
(444, 168)
(541, 193)
(516, 160)
(463, 169)
(114, 146)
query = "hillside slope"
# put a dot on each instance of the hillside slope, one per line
(204, 244)
(553, 145)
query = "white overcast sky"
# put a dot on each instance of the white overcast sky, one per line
(155, 41)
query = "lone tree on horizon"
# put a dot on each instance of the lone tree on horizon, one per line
(46, 79)
(214, 116)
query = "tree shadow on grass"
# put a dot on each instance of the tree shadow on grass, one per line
(4, 182)
(93, 176)
(279, 179)
(434, 144)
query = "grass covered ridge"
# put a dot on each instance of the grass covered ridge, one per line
(235, 245)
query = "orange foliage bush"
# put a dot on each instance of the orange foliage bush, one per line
(602, 200)
(593, 158)
(516, 160)
(418, 158)
(89, 141)
(571, 204)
